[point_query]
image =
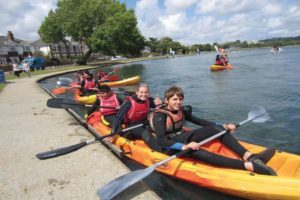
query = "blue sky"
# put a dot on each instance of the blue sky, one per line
(186, 21)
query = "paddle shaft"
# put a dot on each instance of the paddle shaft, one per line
(206, 141)
(69, 149)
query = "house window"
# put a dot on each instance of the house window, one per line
(12, 48)
(3, 61)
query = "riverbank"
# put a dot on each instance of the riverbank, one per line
(28, 127)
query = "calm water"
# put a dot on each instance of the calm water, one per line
(258, 78)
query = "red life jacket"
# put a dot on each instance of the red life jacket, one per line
(111, 101)
(89, 84)
(137, 111)
(174, 122)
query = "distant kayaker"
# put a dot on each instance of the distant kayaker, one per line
(167, 124)
(221, 60)
(106, 98)
(103, 76)
(135, 110)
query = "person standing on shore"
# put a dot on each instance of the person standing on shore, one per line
(16, 70)
(26, 69)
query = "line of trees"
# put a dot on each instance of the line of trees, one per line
(106, 26)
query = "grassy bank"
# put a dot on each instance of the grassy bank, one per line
(11, 76)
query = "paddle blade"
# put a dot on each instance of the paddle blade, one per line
(62, 103)
(62, 83)
(65, 79)
(59, 90)
(116, 186)
(60, 151)
(258, 115)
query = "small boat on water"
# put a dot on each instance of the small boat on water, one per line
(276, 50)
(239, 183)
(215, 67)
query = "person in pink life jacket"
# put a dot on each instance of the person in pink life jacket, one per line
(106, 98)
(88, 84)
(134, 110)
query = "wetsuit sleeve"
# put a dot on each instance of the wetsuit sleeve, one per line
(120, 100)
(82, 85)
(95, 107)
(187, 111)
(151, 101)
(159, 123)
(119, 117)
(96, 83)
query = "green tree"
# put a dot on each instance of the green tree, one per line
(152, 43)
(103, 25)
(51, 31)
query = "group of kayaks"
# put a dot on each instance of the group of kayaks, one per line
(240, 183)
(91, 99)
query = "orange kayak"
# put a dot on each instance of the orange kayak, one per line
(240, 183)
(220, 67)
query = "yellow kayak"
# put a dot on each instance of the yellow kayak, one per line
(127, 81)
(220, 67)
(239, 183)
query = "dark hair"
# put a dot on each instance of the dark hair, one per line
(172, 91)
(104, 88)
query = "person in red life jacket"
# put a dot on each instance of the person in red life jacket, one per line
(79, 77)
(88, 84)
(103, 77)
(167, 124)
(218, 60)
(134, 110)
(109, 99)
(224, 59)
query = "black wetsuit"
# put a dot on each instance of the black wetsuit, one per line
(174, 144)
(142, 132)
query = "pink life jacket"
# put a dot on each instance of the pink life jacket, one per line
(137, 111)
(111, 101)
(89, 84)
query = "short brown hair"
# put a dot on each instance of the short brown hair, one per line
(172, 91)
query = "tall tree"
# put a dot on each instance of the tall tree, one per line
(103, 25)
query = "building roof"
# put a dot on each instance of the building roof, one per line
(5, 39)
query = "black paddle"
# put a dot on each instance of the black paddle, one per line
(69, 149)
(116, 186)
(64, 103)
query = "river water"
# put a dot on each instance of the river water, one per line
(259, 77)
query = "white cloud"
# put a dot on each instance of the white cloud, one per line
(202, 21)
(24, 17)
(186, 21)
(173, 6)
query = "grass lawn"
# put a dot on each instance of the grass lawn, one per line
(71, 67)
(38, 72)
